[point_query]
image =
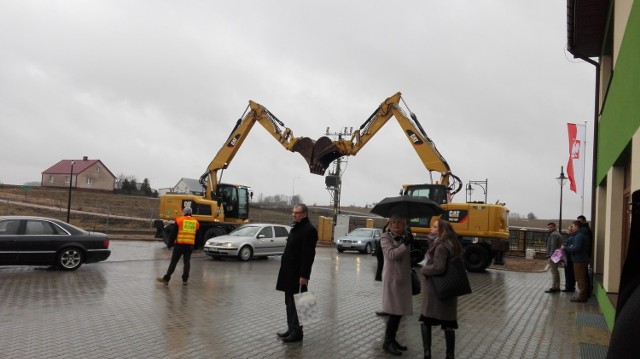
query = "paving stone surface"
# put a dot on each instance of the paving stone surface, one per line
(230, 309)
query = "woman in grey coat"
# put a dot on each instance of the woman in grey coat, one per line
(435, 311)
(396, 281)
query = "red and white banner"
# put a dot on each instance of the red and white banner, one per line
(575, 167)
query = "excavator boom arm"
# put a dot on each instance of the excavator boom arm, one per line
(257, 113)
(422, 144)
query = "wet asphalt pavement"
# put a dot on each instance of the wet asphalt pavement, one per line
(230, 309)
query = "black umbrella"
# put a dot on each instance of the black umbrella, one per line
(407, 207)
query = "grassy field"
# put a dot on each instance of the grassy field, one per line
(107, 211)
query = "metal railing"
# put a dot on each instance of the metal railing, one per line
(522, 238)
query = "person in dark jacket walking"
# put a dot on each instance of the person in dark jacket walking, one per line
(295, 268)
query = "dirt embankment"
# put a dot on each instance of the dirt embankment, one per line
(108, 212)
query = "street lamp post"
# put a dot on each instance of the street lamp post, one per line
(70, 182)
(293, 189)
(561, 180)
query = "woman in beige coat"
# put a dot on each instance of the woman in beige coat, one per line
(396, 281)
(435, 311)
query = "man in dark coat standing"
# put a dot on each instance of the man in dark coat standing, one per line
(295, 268)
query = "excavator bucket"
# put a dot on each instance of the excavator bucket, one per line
(318, 154)
(304, 146)
(324, 152)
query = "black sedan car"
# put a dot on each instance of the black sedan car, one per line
(26, 240)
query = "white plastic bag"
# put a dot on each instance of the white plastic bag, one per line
(307, 308)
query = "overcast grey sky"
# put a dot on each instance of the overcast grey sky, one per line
(153, 88)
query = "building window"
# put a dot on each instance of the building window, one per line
(98, 169)
(52, 179)
(89, 180)
(67, 179)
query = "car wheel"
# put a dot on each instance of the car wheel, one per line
(367, 249)
(476, 258)
(340, 250)
(245, 253)
(70, 258)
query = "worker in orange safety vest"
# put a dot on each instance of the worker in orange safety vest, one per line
(185, 241)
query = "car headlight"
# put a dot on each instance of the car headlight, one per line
(227, 245)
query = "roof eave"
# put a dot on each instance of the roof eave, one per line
(586, 23)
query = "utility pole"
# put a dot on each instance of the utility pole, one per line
(336, 193)
(70, 186)
(334, 180)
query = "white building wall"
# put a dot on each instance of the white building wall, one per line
(613, 229)
(599, 226)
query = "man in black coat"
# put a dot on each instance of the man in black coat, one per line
(295, 268)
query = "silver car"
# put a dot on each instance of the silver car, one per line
(249, 241)
(360, 239)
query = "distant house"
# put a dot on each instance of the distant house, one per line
(189, 185)
(85, 174)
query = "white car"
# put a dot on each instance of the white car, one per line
(249, 241)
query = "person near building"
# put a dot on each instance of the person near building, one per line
(396, 280)
(554, 241)
(589, 231)
(569, 277)
(185, 241)
(295, 268)
(578, 248)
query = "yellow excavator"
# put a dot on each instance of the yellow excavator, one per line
(225, 206)
(483, 228)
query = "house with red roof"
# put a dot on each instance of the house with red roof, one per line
(83, 174)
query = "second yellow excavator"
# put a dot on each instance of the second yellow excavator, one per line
(483, 228)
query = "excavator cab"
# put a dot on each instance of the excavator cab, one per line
(436, 192)
(234, 199)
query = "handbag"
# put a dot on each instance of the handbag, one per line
(415, 282)
(307, 307)
(453, 282)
